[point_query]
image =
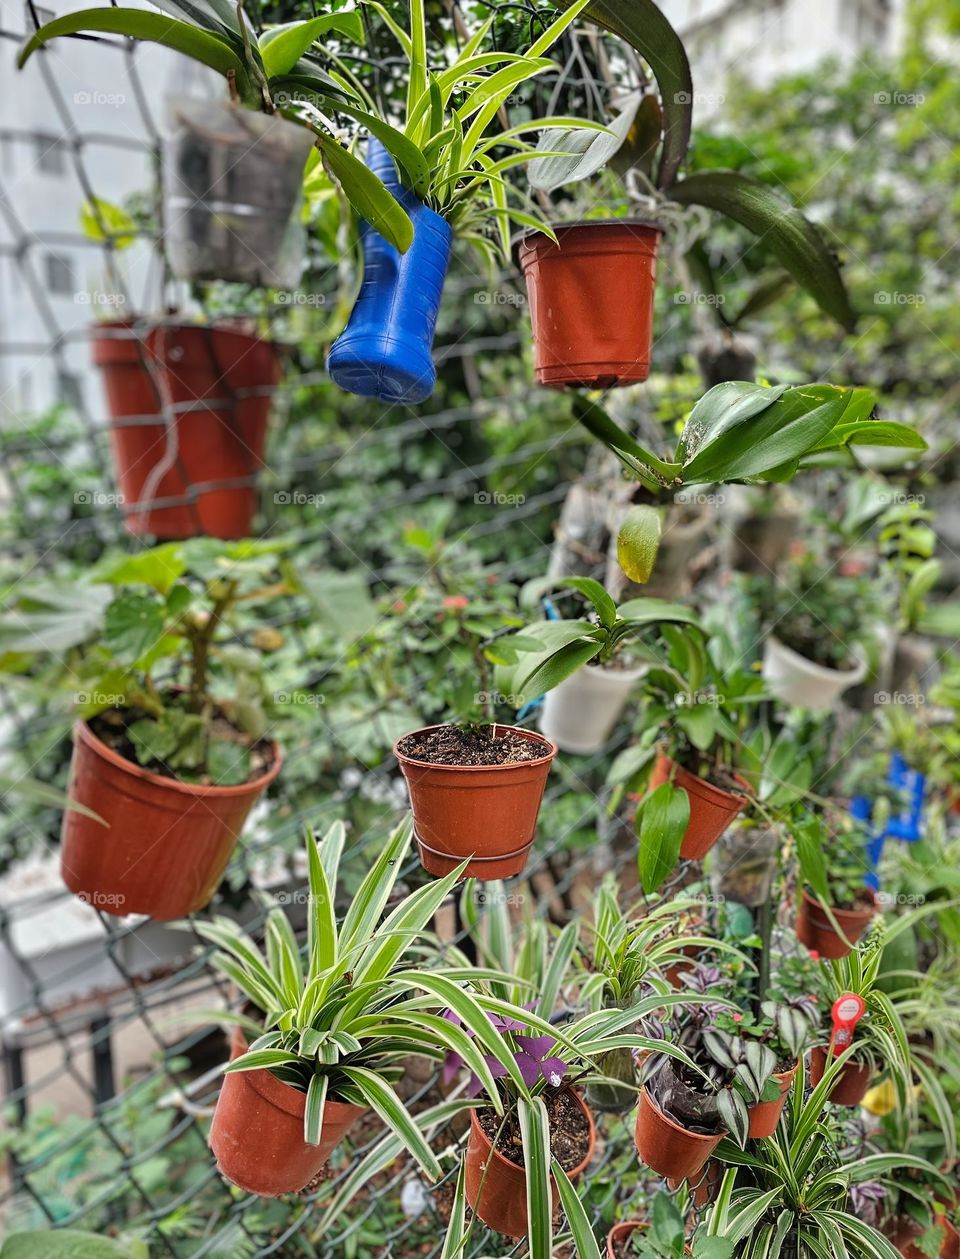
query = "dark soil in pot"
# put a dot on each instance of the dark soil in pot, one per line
(569, 1131)
(678, 1091)
(450, 745)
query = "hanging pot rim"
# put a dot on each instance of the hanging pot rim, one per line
(822, 673)
(533, 735)
(83, 733)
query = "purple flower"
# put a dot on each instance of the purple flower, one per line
(531, 1053)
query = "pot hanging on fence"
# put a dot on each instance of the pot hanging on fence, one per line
(496, 1188)
(712, 809)
(591, 302)
(666, 1146)
(794, 679)
(486, 812)
(166, 843)
(580, 713)
(850, 1086)
(621, 1232)
(817, 932)
(385, 351)
(257, 1131)
(232, 191)
(189, 407)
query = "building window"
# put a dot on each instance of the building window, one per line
(59, 272)
(49, 154)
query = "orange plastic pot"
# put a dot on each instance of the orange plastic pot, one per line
(591, 302)
(257, 1131)
(706, 1187)
(817, 932)
(765, 1116)
(905, 1232)
(496, 1189)
(668, 1148)
(166, 843)
(216, 384)
(619, 1233)
(850, 1086)
(485, 812)
(712, 809)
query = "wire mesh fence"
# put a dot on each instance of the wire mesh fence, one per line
(109, 1087)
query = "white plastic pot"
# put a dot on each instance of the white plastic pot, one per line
(796, 680)
(580, 713)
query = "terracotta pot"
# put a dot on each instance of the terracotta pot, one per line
(673, 974)
(904, 1233)
(619, 1233)
(216, 385)
(815, 930)
(712, 809)
(168, 842)
(851, 1084)
(487, 812)
(591, 302)
(765, 1116)
(257, 1131)
(668, 1148)
(497, 1189)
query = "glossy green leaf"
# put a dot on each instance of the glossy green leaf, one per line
(792, 238)
(367, 194)
(316, 1101)
(638, 542)
(535, 1135)
(579, 152)
(663, 819)
(281, 47)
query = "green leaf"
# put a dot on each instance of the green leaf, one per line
(102, 221)
(551, 672)
(642, 24)
(158, 567)
(585, 1243)
(175, 738)
(209, 49)
(133, 625)
(414, 167)
(229, 763)
(281, 47)
(261, 1059)
(663, 819)
(313, 1114)
(70, 1243)
(792, 238)
(367, 194)
(579, 152)
(381, 1098)
(638, 542)
(535, 1135)
(791, 425)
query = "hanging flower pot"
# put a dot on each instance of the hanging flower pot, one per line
(765, 1116)
(609, 1096)
(232, 190)
(618, 1239)
(712, 808)
(496, 1187)
(580, 714)
(706, 1187)
(466, 802)
(385, 351)
(257, 1131)
(168, 842)
(668, 1148)
(795, 680)
(904, 1233)
(850, 1086)
(591, 302)
(744, 864)
(817, 932)
(188, 410)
